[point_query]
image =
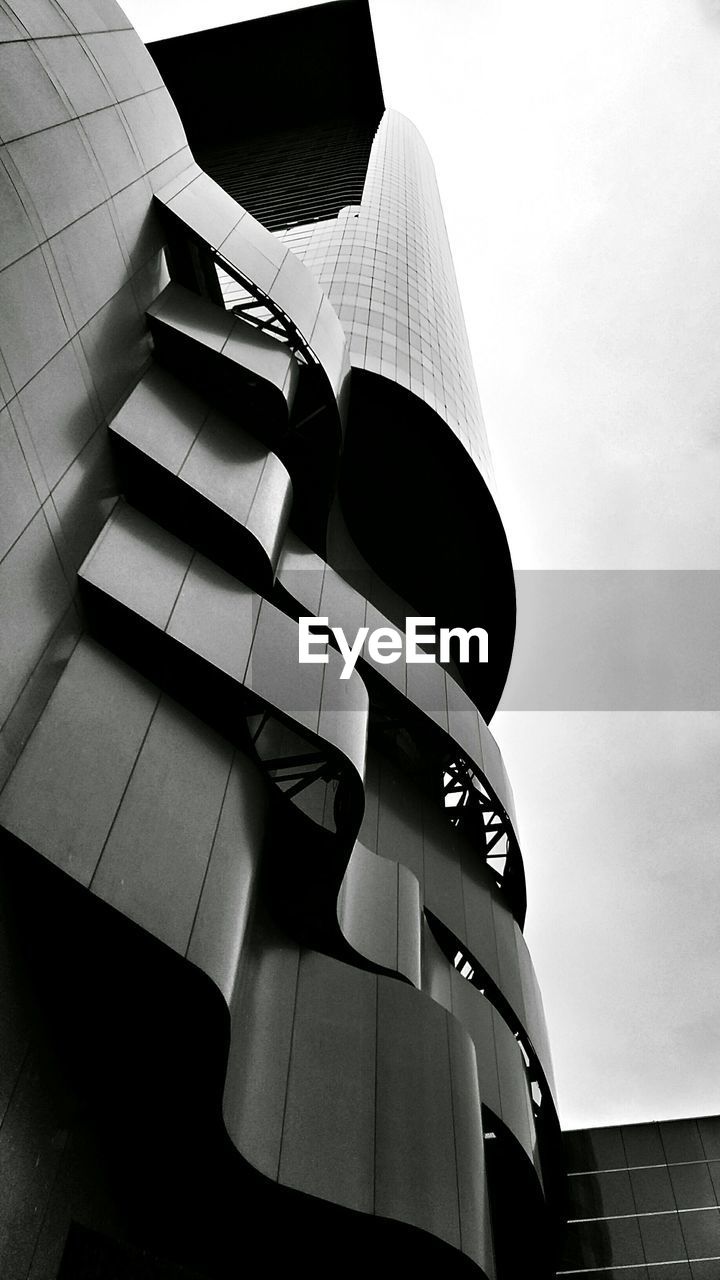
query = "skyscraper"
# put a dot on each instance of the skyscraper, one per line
(267, 995)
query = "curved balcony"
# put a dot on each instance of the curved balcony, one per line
(242, 365)
(208, 233)
(214, 643)
(381, 913)
(202, 476)
(246, 250)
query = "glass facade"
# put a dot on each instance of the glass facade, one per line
(386, 266)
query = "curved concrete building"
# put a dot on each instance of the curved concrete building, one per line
(265, 995)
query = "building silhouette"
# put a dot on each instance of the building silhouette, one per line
(264, 991)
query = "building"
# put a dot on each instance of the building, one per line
(644, 1201)
(264, 991)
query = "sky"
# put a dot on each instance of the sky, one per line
(577, 147)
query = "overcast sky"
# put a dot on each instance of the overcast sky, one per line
(577, 145)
